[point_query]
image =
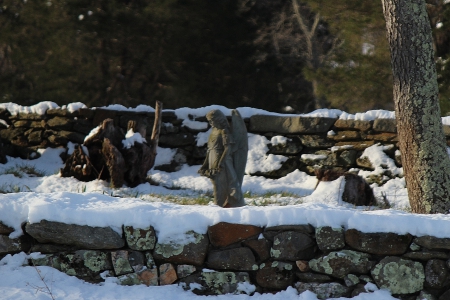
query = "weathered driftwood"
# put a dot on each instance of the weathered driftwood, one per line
(108, 159)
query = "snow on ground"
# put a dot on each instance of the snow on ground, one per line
(46, 195)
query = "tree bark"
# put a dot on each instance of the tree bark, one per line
(426, 163)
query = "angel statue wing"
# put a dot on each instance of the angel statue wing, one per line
(240, 146)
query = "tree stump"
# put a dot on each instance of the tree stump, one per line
(104, 156)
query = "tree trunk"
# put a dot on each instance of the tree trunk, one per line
(422, 143)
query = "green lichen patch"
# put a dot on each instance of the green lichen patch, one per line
(140, 239)
(398, 275)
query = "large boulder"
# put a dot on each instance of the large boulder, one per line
(77, 235)
(400, 276)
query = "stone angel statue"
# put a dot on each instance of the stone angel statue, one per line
(226, 158)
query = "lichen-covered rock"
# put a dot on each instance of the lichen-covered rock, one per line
(329, 238)
(400, 276)
(8, 245)
(84, 264)
(77, 235)
(291, 245)
(379, 243)
(120, 262)
(433, 243)
(351, 280)
(167, 274)
(275, 275)
(223, 234)
(185, 270)
(216, 283)
(140, 239)
(436, 274)
(192, 253)
(280, 124)
(324, 290)
(423, 295)
(238, 259)
(341, 263)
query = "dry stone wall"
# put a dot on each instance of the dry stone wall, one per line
(236, 258)
(312, 142)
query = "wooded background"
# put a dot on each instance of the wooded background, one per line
(270, 54)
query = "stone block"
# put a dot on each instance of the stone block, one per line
(260, 248)
(378, 243)
(77, 235)
(437, 275)
(5, 230)
(341, 263)
(8, 245)
(217, 283)
(361, 125)
(223, 234)
(433, 243)
(399, 276)
(140, 239)
(316, 141)
(149, 277)
(290, 125)
(275, 275)
(293, 246)
(192, 253)
(329, 238)
(120, 262)
(324, 290)
(185, 270)
(238, 259)
(167, 274)
(313, 277)
(385, 125)
(61, 123)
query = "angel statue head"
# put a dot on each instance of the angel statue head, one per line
(217, 119)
